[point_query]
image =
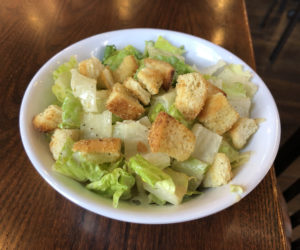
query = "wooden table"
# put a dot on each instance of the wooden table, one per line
(32, 214)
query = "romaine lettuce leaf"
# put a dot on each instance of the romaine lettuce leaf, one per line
(172, 192)
(163, 44)
(132, 133)
(65, 67)
(101, 98)
(241, 104)
(174, 112)
(149, 173)
(114, 58)
(85, 89)
(193, 168)
(232, 154)
(109, 51)
(207, 143)
(94, 125)
(116, 184)
(72, 165)
(71, 112)
(234, 89)
(154, 199)
(160, 160)
(62, 79)
(155, 110)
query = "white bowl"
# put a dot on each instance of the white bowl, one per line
(264, 143)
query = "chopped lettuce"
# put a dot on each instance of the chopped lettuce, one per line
(232, 154)
(94, 125)
(154, 199)
(174, 112)
(133, 134)
(109, 51)
(65, 67)
(101, 98)
(241, 104)
(155, 110)
(148, 172)
(62, 79)
(165, 191)
(236, 158)
(71, 112)
(207, 143)
(85, 89)
(160, 160)
(234, 89)
(234, 73)
(114, 57)
(72, 165)
(193, 168)
(116, 184)
(163, 44)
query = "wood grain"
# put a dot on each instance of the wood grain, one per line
(32, 214)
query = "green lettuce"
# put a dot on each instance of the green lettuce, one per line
(193, 168)
(62, 79)
(116, 184)
(153, 112)
(163, 44)
(71, 112)
(154, 199)
(174, 112)
(65, 67)
(85, 89)
(72, 165)
(234, 89)
(113, 58)
(236, 158)
(148, 172)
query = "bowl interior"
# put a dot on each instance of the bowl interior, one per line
(202, 53)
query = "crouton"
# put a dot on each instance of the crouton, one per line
(126, 69)
(151, 79)
(106, 80)
(219, 173)
(241, 131)
(191, 93)
(217, 114)
(212, 89)
(91, 68)
(167, 135)
(99, 151)
(136, 90)
(59, 138)
(123, 105)
(165, 69)
(49, 119)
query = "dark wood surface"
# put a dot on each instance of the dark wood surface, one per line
(32, 214)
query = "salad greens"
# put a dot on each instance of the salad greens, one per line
(140, 175)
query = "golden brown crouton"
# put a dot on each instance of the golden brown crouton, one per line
(212, 89)
(106, 80)
(126, 69)
(59, 138)
(122, 104)
(151, 79)
(99, 150)
(49, 119)
(241, 131)
(218, 115)
(167, 135)
(191, 93)
(219, 173)
(165, 69)
(91, 68)
(136, 90)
